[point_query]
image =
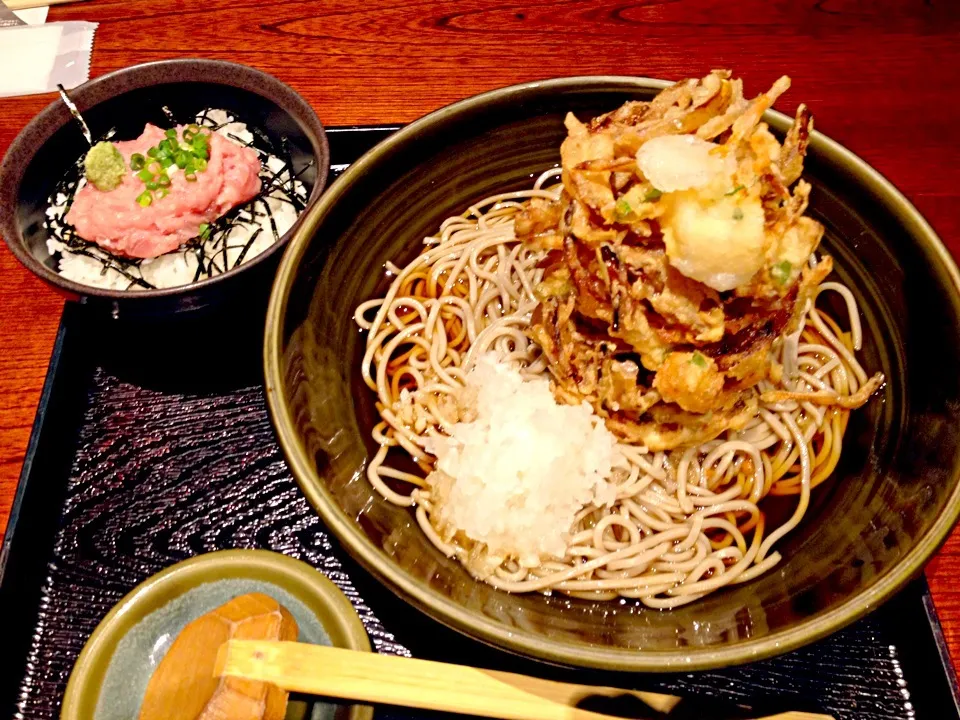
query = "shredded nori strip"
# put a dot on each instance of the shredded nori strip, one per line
(265, 140)
(273, 223)
(287, 158)
(291, 197)
(246, 248)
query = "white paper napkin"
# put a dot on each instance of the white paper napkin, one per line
(33, 16)
(35, 58)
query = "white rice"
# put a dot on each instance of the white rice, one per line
(180, 266)
(519, 473)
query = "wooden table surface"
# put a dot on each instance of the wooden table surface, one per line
(880, 78)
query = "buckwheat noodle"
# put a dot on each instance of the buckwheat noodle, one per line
(685, 522)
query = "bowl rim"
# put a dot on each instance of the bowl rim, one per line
(321, 151)
(108, 632)
(520, 640)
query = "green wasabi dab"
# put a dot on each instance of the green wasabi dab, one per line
(104, 166)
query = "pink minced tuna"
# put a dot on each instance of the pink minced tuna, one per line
(116, 221)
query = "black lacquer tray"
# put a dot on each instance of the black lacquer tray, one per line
(152, 444)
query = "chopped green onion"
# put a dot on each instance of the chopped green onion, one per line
(737, 214)
(623, 208)
(653, 194)
(145, 198)
(203, 232)
(137, 161)
(781, 272)
(191, 157)
(737, 189)
(699, 360)
(151, 185)
(162, 193)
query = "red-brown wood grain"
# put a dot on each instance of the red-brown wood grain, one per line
(882, 77)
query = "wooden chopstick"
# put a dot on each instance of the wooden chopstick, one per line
(408, 682)
(27, 4)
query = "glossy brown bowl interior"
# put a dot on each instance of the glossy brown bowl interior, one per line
(869, 529)
(125, 100)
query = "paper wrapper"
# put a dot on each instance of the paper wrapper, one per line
(36, 58)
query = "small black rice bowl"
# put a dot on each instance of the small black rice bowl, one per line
(125, 100)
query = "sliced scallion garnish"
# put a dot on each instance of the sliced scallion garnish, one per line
(191, 156)
(781, 272)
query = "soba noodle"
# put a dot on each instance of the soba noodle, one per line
(685, 523)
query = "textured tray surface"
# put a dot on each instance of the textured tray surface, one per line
(159, 476)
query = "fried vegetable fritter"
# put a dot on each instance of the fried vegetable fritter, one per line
(678, 254)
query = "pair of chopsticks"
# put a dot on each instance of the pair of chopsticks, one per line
(372, 678)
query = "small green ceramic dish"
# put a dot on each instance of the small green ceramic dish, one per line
(111, 674)
(869, 529)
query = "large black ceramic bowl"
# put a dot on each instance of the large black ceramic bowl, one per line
(890, 504)
(125, 100)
